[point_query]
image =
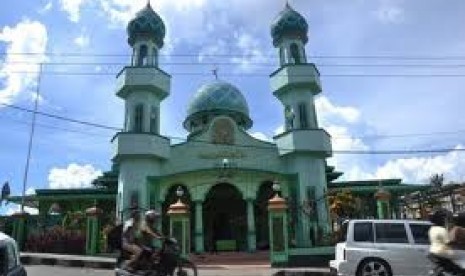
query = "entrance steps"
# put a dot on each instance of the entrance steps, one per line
(260, 258)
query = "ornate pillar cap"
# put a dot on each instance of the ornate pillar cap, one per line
(277, 203)
(382, 194)
(178, 208)
(93, 211)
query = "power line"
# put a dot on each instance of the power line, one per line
(47, 126)
(239, 55)
(61, 117)
(61, 73)
(268, 64)
(357, 152)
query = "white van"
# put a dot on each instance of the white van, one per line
(10, 264)
(383, 247)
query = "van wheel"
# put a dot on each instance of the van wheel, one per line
(374, 267)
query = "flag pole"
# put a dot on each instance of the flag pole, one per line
(31, 135)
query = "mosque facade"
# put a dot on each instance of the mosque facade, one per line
(225, 175)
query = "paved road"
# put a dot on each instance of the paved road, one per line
(39, 270)
(65, 271)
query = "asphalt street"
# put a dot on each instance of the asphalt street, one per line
(40, 270)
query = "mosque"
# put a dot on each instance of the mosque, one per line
(226, 174)
(221, 172)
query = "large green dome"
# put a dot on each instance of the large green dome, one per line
(219, 98)
(289, 23)
(146, 23)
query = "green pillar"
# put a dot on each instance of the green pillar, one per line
(382, 203)
(179, 226)
(279, 245)
(199, 241)
(93, 230)
(20, 229)
(251, 235)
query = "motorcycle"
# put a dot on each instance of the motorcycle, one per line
(445, 267)
(169, 262)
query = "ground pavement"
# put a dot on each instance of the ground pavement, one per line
(42, 270)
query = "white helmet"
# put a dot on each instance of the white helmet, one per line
(152, 214)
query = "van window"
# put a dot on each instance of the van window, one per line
(420, 233)
(363, 232)
(390, 233)
(11, 256)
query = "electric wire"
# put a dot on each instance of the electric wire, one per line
(354, 152)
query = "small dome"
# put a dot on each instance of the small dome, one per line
(289, 23)
(147, 23)
(219, 98)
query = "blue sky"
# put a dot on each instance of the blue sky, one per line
(235, 36)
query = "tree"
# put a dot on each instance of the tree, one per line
(436, 180)
(342, 204)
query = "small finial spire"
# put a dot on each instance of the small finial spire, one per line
(287, 4)
(148, 4)
(215, 72)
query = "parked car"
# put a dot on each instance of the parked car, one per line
(383, 247)
(10, 264)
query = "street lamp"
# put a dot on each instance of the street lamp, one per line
(179, 192)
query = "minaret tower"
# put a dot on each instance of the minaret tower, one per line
(139, 148)
(303, 145)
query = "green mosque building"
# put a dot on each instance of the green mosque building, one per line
(223, 174)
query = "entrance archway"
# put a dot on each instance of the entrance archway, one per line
(225, 219)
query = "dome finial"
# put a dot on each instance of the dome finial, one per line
(148, 4)
(215, 71)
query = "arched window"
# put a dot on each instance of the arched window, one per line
(138, 118)
(303, 115)
(153, 120)
(142, 58)
(154, 57)
(295, 53)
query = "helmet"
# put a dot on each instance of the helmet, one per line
(440, 216)
(152, 215)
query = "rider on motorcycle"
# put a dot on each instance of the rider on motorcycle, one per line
(131, 232)
(149, 234)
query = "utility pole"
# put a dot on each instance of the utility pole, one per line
(31, 136)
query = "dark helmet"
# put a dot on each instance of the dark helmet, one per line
(440, 216)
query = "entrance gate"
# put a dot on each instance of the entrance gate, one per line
(225, 219)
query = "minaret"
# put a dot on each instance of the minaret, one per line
(140, 149)
(303, 145)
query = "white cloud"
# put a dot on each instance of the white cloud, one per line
(14, 208)
(251, 50)
(73, 8)
(82, 40)
(47, 7)
(73, 176)
(390, 14)
(419, 169)
(19, 72)
(30, 191)
(261, 136)
(328, 112)
(279, 130)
